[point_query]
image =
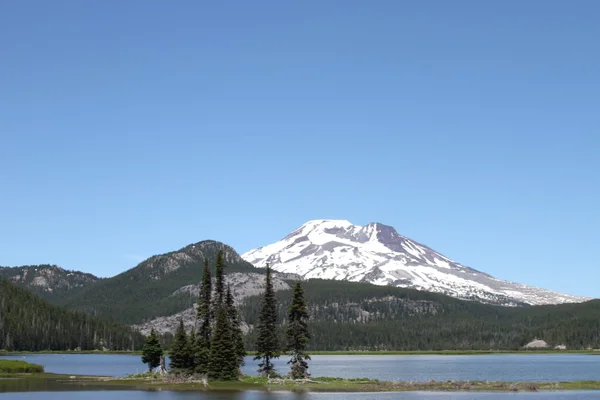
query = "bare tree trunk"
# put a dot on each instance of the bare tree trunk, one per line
(163, 369)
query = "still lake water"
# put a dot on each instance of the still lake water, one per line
(550, 367)
(501, 367)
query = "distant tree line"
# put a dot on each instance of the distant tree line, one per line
(28, 323)
(354, 316)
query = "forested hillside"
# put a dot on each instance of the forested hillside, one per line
(50, 282)
(343, 315)
(146, 291)
(30, 323)
(354, 316)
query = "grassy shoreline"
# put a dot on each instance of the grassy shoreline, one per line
(19, 367)
(323, 384)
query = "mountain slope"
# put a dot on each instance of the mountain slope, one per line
(377, 254)
(31, 324)
(344, 315)
(151, 289)
(243, 285)
(50, 282)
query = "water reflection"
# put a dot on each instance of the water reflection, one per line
(251, 395)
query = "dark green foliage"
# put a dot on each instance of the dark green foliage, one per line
(297, 335)
(267, 343)
(204, 318)
(356, 316)
(204, 313)
(152, 351)
(179, 353)
(222, 365)
(28, 323)
(202, 354)
(19, 367)
(226, 342)
(146, 291)
(237, 336)
(191, 351)
(220, 279)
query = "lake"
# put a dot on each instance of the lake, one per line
(502, 367)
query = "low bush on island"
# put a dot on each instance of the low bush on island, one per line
(19, 367)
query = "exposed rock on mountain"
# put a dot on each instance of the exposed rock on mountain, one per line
(242, 285)
(48, 281)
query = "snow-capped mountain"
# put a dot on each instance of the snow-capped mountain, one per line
(377, 254)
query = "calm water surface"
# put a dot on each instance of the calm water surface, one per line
(551, 367)
(132, 395)
(502, 367)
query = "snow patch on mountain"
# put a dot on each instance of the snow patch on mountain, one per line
(377, 254)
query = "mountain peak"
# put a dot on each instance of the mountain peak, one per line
(325, 223)
(376, 253)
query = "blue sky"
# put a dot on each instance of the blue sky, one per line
(133, 128)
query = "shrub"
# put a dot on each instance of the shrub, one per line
(19, 367)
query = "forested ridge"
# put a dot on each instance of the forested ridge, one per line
(29, 323)
(343, 315)
(50, 282)
(145, 291)
(355, 316)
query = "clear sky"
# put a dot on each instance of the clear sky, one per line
(132, 128)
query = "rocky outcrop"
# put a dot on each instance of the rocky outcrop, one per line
(47, 279)
(536, 344)
(243, 285)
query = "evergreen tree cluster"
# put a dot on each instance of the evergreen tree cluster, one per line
(28, 323)
(217, 348)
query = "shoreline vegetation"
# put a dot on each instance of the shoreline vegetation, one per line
(333, 353)
(19, 367)
(329, 384)
(173, 382)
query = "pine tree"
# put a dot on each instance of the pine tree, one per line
(222, 363)
(204, 319)
(219, 279)
(297, 335)
(152, 351)
(191, 351)
(179, 349)
(237, 336)
(267, 342)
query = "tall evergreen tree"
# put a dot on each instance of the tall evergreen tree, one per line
(191, 351)
(204, 319)
(297, 335)
(222, 363)
(220, 279)
(179, 353)
(237, 336)
(267, 342)
(152, 351)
